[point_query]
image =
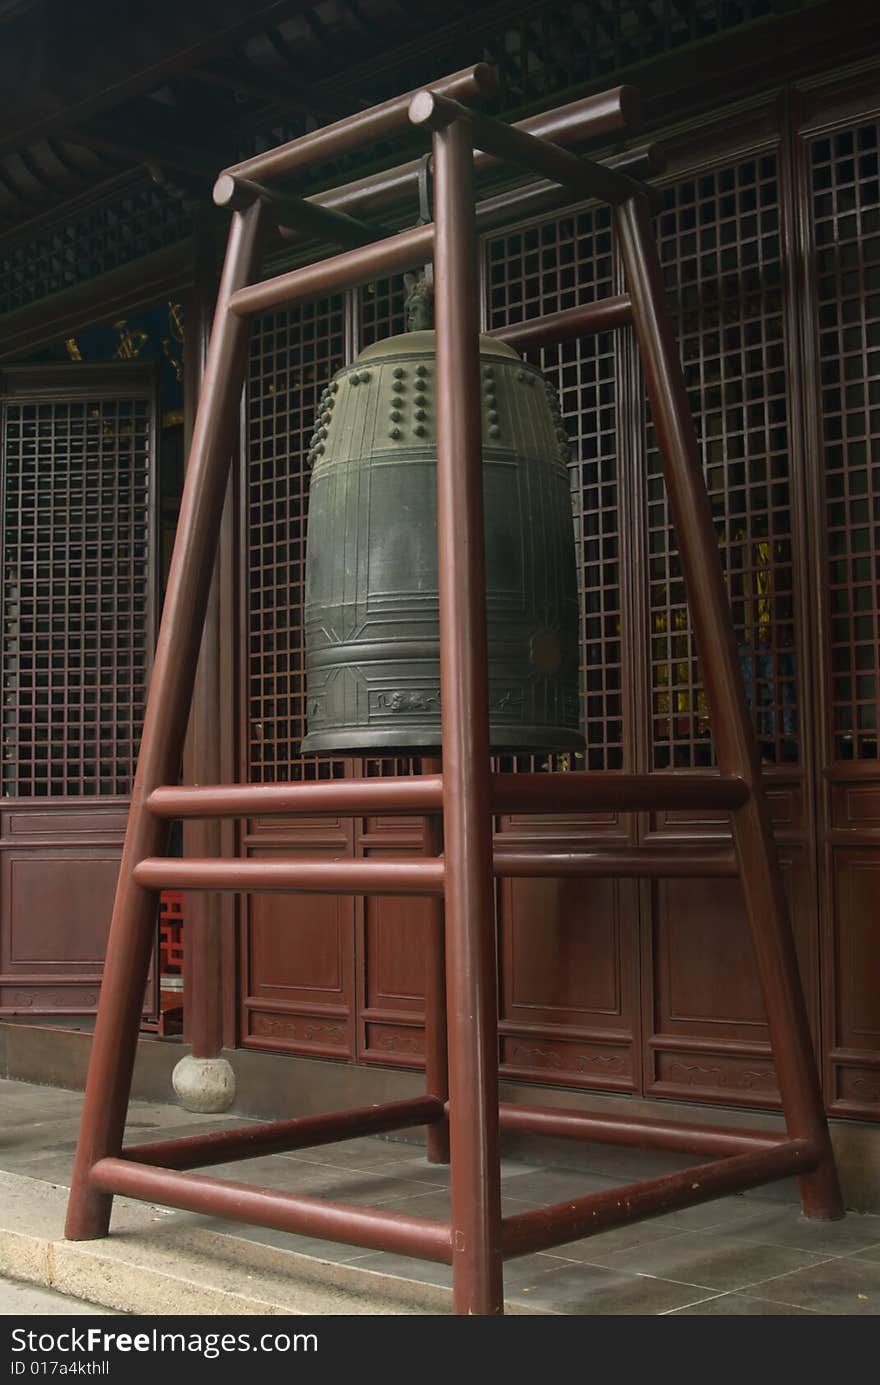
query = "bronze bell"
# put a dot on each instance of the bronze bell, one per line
(371, 603)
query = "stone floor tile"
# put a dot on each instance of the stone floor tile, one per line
(739, 1306)
(405, 1267)
(333, 1251)
(169, 1113)
(782, 1190)
(22, 1102)
(366, 1152)
(849, 1285)
(317, 1180)
(719, 1212)
(435, 1203)
(871, 1253)
(521, 1276)
(786, 1226)
(596, 1291)
(18, 1300)
(546, 1186)
(416, 1170)
(708, 1260)
(621, 1238)
(47, 1165)
(417, 1167)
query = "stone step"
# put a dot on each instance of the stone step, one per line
(156, 1261)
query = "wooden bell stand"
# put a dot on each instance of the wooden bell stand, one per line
(466, 794)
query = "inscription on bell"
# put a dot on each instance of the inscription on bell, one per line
(371, 602)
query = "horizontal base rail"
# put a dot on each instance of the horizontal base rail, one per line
(582, 790)
(422, 793)
(572, 1220)
(623, 862)
(609, 790)
(276, 1137)
(642, 1132)
(351, 267)
(407, 875)
(429, 1239)
(414, 875)
(308, 1216)
(599, 316)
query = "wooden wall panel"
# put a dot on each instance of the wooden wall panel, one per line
(705, 1013)
(394, 942)
(568, 981)
(391, 943)
(55, 908)
(854, 983)
(299, 973)
(840, 163)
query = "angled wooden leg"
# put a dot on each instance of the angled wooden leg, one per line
(467, 815)
(731, 725)
(436, 1036)
(134, 912)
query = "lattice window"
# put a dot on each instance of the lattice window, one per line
(542, 269)
(145, 219)
(381, 310)
(293, 356)
(846, 217)
(720, 246)
(76, 595)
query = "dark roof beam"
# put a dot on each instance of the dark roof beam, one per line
(195, 108)
(14, 192)
(104, 56)
(62, 158)
(285, 95)
(318, 27)
(280, 44)
(149, 131)
(357, 14)
(35, 173)
(413, 42)
(332, 50)
(134, 146)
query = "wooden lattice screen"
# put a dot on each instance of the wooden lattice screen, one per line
(720, 246)
(542, 269)
(77, 587)
(293, 356)
(846, 212)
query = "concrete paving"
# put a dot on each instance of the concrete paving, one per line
(19, 1300)
(744, 1255)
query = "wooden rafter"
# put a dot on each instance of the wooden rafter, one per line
(173, 38)
(286, 94)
